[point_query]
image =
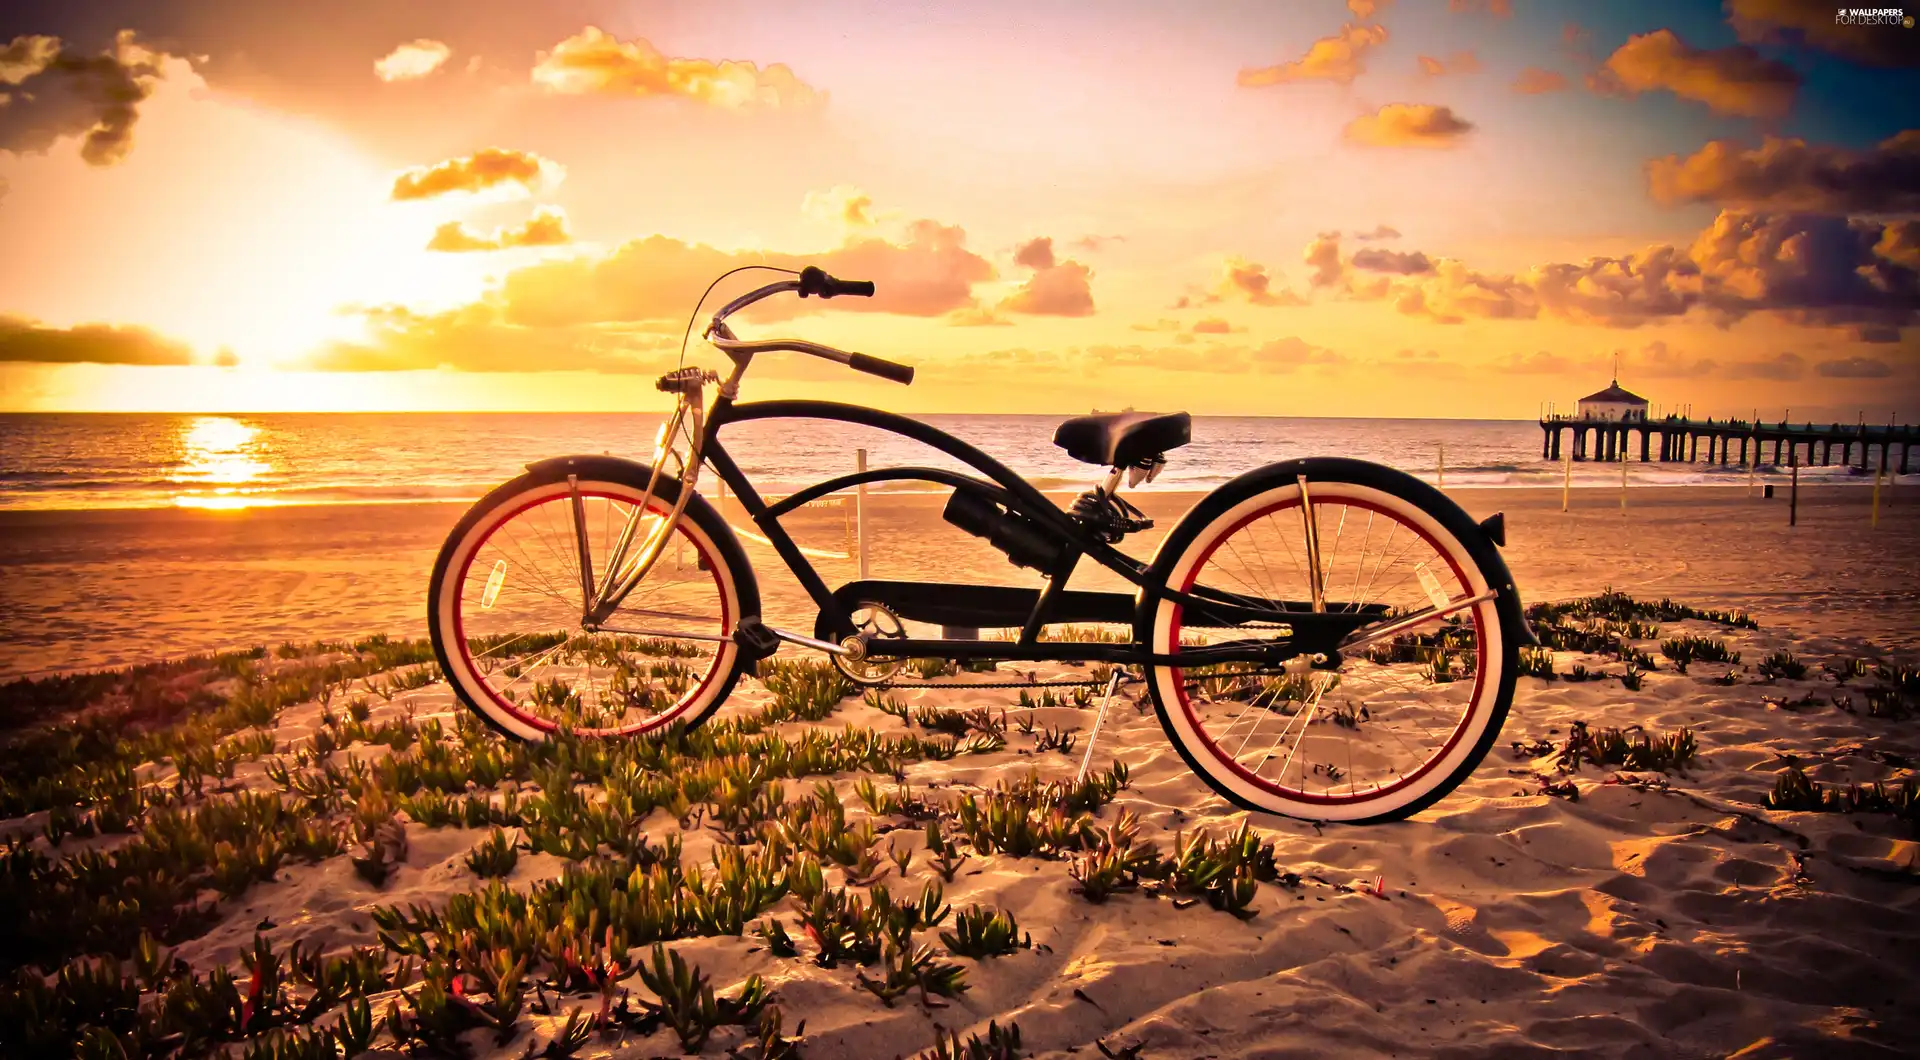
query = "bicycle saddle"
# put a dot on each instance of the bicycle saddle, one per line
(1123, 439)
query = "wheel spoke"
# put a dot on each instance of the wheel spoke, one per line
(1371, 731)
(527, 661)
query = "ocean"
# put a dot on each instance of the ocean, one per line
(79, 460)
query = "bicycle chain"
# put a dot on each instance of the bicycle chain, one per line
(1125, 679)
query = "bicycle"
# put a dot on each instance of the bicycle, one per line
(1296, 672)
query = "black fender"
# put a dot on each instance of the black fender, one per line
(638, 473)
(1477, 537)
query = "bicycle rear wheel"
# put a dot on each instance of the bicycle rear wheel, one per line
(1400, 722)
(508, 594)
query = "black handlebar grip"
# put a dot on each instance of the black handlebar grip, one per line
(814, 280)
(885, 369)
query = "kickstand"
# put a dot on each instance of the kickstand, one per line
(1086, 760)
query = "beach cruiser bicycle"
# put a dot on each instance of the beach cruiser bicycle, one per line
(1324, 638)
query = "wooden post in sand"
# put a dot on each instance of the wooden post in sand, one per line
(860, 510)
(1566, 486)
(1442, 481)
(1623, 483)
(1793, 494)
(1878, 474)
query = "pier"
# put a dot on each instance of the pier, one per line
(1677, 439)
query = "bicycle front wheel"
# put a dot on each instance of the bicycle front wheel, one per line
(512, 584)
(1402, 720)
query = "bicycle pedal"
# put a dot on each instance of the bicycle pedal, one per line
(756, 641)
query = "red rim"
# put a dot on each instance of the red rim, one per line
(1206, 738)
(659, 720)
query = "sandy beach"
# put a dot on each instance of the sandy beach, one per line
(1627, 913)
(109, 588)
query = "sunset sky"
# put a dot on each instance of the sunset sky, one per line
(1412, 208)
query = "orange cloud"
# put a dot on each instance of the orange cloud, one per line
(1339, 59)
(1365, 9)
(1408, 125)
(47, 91)
(842, 204)
(1854, 368)
(1060, 290)
(1733, 80)
(25, 340)
(1212, 326)
(488, 168)
(1378, 259)
(1379, 232)
(1462, 63)
(1813, 26)
(975, 316)
(412, 60)
(1247, 281)
(546, 228)
(1035, 254)
(1790, 174)
(594, 62)
(931, 273)
(479, 338)
(1535, 81)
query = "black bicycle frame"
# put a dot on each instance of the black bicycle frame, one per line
(1001, 606)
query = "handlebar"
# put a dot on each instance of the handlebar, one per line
(812, 281)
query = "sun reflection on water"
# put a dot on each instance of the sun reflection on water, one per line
(219, 457)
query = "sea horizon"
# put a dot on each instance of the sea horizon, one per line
(146, 460)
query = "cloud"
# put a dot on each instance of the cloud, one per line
(26, 340)
(976, 316)
(1056, 290)
(1323, 258)
(1536, 81)
(1339, 59)
(48, 91)
(1792, 175)
(478, 338)
(412, 60)
(1247, 281)
(929, 273)
(1784, 367)
(1807, 269)
(1408, 125)
(1285, 356)
(1377, 259)
(1899, 243)
(1733, 80)
(594, 62)
(1212, 326)
(1854, 368)
(1365, 9)
(1656, 360)
(489, 168)
(842, 204)
(1035, 254)
(1379, 232)
(1277, 357)
(1812, 25)
(1096, 243)
(1461, 63)
(546, 228)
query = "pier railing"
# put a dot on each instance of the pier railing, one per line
(1677, 439)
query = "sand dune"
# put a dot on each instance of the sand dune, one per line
(1655, 914)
